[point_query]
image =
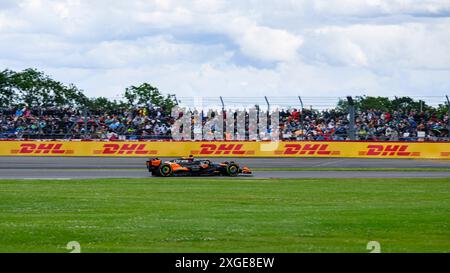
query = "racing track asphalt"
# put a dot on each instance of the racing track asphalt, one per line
(121, 167)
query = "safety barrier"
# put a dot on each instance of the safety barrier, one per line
(227, 149)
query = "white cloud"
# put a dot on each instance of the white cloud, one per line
(264, 43)
(411, 45)
(165, 19)
(381, 7)
(251, 48)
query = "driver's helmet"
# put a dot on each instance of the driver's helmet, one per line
(191, 158)
(205, 163)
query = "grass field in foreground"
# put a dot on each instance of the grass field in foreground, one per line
(225, 215)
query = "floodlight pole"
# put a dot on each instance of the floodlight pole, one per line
(351, 112)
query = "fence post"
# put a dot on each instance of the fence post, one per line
(301, 115)
(301, 102)
(67, 135)
(85, 122)
(351, 112)
(268, 104)
(3, 121)
(448, 114)
(223, 119)
(223, 105)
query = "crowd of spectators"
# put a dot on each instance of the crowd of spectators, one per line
(68, 123)
(369, 125)
(155, 123)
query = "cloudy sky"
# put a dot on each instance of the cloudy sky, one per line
(234, 48)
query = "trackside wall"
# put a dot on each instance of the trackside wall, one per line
(435, 150)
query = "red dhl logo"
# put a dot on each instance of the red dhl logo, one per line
(307, 149)
(136, 149)
(222, 149)
(388, 150)
(32, 148)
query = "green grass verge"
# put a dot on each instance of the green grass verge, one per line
(225, 215)
(357, 169)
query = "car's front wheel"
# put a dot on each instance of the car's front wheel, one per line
(232, 169)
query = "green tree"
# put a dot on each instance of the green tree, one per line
(442, 110)
(104, 105)
(31, 87)
(146, 94)
(7, 94)
(380, 103)
(407, 104)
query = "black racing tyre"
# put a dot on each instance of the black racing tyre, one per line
(232, 169)
(165, 170)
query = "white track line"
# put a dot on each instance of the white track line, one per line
(47, 178)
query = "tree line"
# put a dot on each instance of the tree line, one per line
(385, 104)
(33, 88)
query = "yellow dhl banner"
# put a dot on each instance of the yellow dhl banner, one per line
(226, 149)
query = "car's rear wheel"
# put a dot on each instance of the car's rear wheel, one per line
(165, 170)
(232, 169)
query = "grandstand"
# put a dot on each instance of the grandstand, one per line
(301, 118)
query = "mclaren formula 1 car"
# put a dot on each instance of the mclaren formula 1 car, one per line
(188, 166)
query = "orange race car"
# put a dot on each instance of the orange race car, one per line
(188, 166)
